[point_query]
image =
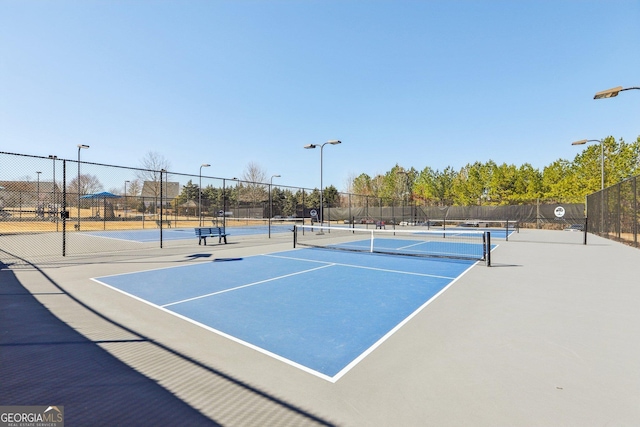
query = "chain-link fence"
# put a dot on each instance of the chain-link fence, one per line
(357, 209)
(68, 206)
(613, 212)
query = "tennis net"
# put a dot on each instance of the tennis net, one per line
(457, 244)
(261, 224)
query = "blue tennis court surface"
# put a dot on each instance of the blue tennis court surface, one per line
(496, 233)
(182, 233)
(391, 246)
(319, 310)
(142, 236)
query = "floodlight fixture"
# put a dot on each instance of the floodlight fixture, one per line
(613, 92)
(601, 141)
(581, 142)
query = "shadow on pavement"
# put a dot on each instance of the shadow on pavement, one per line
(45, 362)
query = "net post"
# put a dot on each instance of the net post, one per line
(371, 245)
(488, 249)
(507, 233)
(585, 230)
(295, 234)
(484, 246)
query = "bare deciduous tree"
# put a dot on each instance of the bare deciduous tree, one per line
(134, 187)
(152, 163)
(87, 184)
(253, 188)
(253, 172)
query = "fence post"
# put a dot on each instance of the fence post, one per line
(636, 214)
(64, 207)
(161, 171)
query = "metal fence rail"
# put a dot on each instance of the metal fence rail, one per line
(66, 203)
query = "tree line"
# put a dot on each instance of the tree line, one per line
(480, 183)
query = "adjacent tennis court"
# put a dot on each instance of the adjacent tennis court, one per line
(182, 233)
(317, 309)
(276, 228)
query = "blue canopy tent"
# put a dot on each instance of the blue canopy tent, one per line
(107, 207)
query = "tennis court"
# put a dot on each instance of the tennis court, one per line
(545, 336)
(182, 233)
(319, 310)
(239, 228)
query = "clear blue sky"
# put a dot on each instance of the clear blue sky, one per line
(418, 83)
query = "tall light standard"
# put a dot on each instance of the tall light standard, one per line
(204, 165)
(610, 93)
(308, 146)
(55, 200)
(406, 192)
(271, 202)
(38, 194)
(224, 205)
(601, 141)
(125, 198)
(237, 197)
(80, 147)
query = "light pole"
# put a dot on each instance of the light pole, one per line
(38, 194)
(236, 210)
(613, 92)
(308, 146)
(166, 191)
(406, 192)
(125, 198)
(224, 205)
(601, 141)
(80, 147)
(204, 165)
(55, 201)
(609, 93)
(271, 202)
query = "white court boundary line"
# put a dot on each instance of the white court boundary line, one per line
(245, 286)
(148, 231)
(386, 270)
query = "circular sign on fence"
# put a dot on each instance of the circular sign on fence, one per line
(559, 211)
(313, 212)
